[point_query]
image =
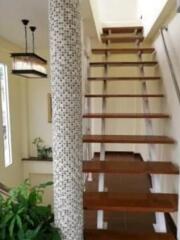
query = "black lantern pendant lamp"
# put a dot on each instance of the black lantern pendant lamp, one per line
(29, 64)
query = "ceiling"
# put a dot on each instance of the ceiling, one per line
(12, 11)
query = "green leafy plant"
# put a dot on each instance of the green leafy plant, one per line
(23, 217)
(43, 151)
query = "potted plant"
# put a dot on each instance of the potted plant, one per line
(23, 217)
(43, 151)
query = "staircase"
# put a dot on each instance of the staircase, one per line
(104, 200)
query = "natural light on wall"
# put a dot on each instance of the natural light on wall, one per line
(150, 11)
(118, 12)
(5, 113)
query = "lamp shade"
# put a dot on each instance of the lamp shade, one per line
(29, 65)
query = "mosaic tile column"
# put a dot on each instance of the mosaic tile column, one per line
(65, 51)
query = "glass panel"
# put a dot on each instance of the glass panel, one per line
(29, 63)
(4, 96)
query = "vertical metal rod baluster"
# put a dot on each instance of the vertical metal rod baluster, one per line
(101, 182)
(88, 122)
(160, 225)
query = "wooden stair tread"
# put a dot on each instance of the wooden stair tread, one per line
(122, 50)
(124, 95)
(123, 63)
(118, 39)
(128, 202)
(129, 167)
(123, 29)
(127, 139)
(126, 115)
(122, 78)
(115, 235)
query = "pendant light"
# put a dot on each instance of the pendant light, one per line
(29, 64)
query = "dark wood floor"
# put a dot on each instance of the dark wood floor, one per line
(125, 222)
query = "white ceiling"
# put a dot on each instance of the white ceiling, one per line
(118, 13)
(12, 11)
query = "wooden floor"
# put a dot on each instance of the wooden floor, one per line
(123, 222)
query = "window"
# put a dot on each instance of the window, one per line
(4, 97)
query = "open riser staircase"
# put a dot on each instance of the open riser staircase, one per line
(102, 198)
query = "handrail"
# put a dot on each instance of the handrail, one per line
(173, 74)
(4, 190)
(170, 64)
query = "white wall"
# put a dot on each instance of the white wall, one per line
(13, 174)
(38, 125)
(96, 16)
(114, 13)
(118, 13)
(29, 116)
(150, 11)
(40, 172)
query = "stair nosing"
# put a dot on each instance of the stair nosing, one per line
(124, 95)
(116, 39)
(125, 167)
(138, 139)
(131, 202)
(123, 63)
(123, 50)
(127, 115)
(122, 78)
(125, 29)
